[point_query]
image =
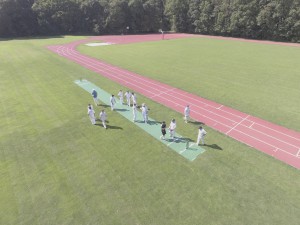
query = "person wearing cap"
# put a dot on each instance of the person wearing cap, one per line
(172, 128)
(91, 114)
(163, 130)
(102, 116)
(134, 112)
(120, 95)
(145, 112)
(112, 101)
(128, 96)
(187, 113)
(201, 135)
(95, 97)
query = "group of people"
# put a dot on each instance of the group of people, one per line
(131, 97)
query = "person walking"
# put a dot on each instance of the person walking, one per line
(134, 112)
(145, 112)
(120, 95)
(134, 99)
(187, 113)
(163, 130)
(91, 114)
(112, 101)
(95, 97)
(102, 116)
(172, 128)
(128, 97)
(201, 135)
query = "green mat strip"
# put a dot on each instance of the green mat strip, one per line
(181, 145)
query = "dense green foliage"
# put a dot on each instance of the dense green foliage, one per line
(258, 19)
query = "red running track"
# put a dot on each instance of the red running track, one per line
(274, 140)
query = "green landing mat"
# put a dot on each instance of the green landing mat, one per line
(181, 145)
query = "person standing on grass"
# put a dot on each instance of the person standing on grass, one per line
(187, 113)
(172, 128)
(91, 114)
(89, 105)
(95, 97)
(163, 130)
(201, 135)
(120, 94)
(128, 96)
(112, 101)
(102, 116)
(145, 112)
(134, 112)
(133, 96)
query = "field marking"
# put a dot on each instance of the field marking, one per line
(237, 124)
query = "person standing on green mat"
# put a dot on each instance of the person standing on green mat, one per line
(172, 128)
(201, 135)
(163, 130)
(134, 112)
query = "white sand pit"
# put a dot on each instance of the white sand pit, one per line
(99, 44)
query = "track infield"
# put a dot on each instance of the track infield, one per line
(274, 140)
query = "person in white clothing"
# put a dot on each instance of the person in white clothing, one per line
(128, 96)
(91, 114)
(187, 113)
(102, 116)
(133, 96)
(120, 95)
(134, 112)
(172, 128)
(201, 135)
(112, 101)
(89, 105)
(145, 112)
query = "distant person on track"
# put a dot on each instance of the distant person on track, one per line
(91, 114)
(172, 128)
(102, 116)
(134, 98)
(121, 96)
(187, 113)
(112, 101)
(163, 130)
(134, 112)
(128, 97)
(95, 97)
(145, 112)
(201, 135)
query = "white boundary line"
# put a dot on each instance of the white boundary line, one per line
(237, 124)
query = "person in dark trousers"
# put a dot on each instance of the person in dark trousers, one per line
(163, 130)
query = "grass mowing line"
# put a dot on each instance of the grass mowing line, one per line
(153, 127)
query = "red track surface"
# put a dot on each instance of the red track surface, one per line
(274, 140)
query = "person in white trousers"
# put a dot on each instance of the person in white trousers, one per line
(95, 97)
(187, 113)
(145, 112)
(91, 114)
(120, 95)
(134, 112)
(112, 101)
(133, 96)
(128, 97)
(102, 116)
(201, 135)
(172, 128)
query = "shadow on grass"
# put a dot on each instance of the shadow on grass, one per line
(197, 123)
(214, 146)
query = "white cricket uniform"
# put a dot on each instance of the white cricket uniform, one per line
(186, 114)
(128, 96)
(145, 113)
(172, 128)
(120, 94)
(91, 114)
(134, 99)
(102, 116)
(112, 102)
(201, 135)
(134, 112)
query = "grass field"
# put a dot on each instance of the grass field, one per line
(56, 168)
(261, 80)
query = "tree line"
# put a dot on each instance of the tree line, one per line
(256, 19)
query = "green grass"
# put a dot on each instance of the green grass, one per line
(262, 80)
(56, 168)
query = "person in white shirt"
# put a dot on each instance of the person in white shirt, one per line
(201, 135)
(145, 112)
(172, 128)
(91, 114)
(112, 101)
(133, 96)
(102, 116)
(89, 105)
(120, 94)
(128, 96)
(187, 113)
(134, 112)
